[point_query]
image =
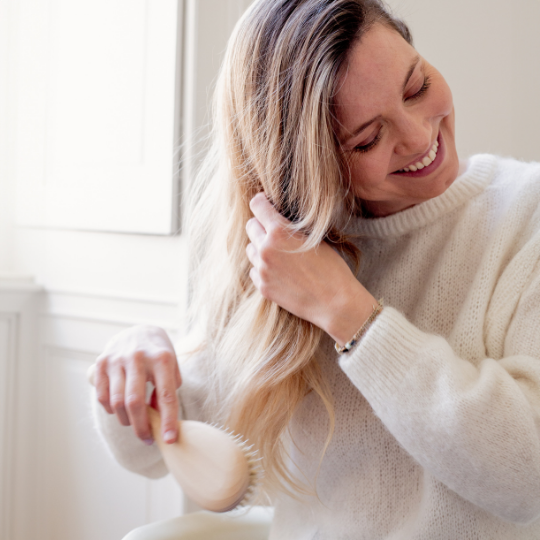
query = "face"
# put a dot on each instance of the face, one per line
(396, 124)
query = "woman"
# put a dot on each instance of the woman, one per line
(334, 151)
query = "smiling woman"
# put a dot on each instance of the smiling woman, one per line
(334, 181)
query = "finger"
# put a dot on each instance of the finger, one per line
(101, 382)
(117, 383)
(177, 375)
(265, 212)
(174, 361)
(254, 275)
(166, 395)
(252, 254)
(255, 231)
(135, 403)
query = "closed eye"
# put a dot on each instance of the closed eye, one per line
(367, 147)
(422, 91)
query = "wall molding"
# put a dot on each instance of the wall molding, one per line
(112, 295)
(9, 331)
(117, 309)
(18, 351)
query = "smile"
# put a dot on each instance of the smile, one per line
(428, 163)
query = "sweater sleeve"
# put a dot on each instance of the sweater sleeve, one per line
(473, 426)
(128, 450)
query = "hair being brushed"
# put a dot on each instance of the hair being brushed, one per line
(274, 132)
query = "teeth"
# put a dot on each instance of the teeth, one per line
(426, 162)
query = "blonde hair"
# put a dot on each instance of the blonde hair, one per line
(273, 132)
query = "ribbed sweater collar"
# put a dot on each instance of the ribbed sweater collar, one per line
(478, 176)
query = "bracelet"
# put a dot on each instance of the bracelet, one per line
(356, 338)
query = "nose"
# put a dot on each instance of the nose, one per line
(415, 134)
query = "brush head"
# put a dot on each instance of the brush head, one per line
(217, 469)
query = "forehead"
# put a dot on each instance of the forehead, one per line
(373, 75)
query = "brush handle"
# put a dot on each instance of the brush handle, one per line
(210, 466)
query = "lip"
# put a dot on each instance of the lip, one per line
(426, 171)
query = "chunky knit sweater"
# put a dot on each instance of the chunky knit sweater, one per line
(437, 433)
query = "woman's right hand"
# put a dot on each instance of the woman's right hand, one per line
(131, 359)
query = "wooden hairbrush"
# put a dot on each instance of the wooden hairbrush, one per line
(214, 468)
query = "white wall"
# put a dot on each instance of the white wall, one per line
(6, 138)
(489, 52)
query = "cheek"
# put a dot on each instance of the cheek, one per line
(447, 114)
(368, 174)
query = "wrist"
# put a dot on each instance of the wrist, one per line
(349, 311)
(361, 331)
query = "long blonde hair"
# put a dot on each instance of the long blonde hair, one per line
(273, 132)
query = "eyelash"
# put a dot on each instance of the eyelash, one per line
(373, 143)
(422, 91)
(369, 146)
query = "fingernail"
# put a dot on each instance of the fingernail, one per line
(170, 436)
(149, 442)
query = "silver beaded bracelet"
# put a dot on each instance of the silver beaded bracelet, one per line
(356, 338)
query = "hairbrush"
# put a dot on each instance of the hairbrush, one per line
(215, 468)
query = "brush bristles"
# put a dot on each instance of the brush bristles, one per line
(256, 472)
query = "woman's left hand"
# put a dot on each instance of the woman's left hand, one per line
(315, 285)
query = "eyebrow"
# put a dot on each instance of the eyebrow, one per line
(361, 128)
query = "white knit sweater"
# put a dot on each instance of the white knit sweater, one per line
(437, 431)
